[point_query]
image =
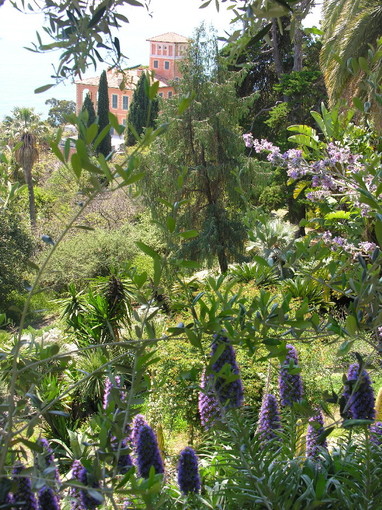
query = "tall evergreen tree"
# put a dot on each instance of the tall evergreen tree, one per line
(200, 151)
(103, 114)
(88, 106)
(143, 110)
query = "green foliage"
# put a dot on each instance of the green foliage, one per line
(98, 252)
(16, 247)
(143, 110)
(104, 146)
(88, 106)
(59, 111)
(254, 272)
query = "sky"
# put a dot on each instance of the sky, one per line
(22, 71)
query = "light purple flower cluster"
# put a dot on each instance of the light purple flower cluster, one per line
(208, 405)
(314, 443)
(188, 472)
(291, 389)
(269, 420)
(74, 493)
(109, 385)
(229, 395)
(48, 457)
(124, 460)
(338, 243)
(359, 394)
(148, 454)
(87, 501)
(376, 433)
(23, 496)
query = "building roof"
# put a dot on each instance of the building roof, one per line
(115, 78)
(169, 37)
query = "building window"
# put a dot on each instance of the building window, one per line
(169, 93)
(125, 103)
(114, 101)
(156, 64)
(159, 49)
(160, 94)
(166, 64)
(124, 122)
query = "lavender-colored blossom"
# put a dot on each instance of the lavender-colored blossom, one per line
(127, 505)
(314, 443)
(148, 452)
(109, 385)
(248, 140)
(138, 422)
(47, 499)
(229, 395)
(359, 394)
(74, 493)
(48, 457)
(291, 389)
(188, 472)
(269, 420)
(87, 501)
(376, 433)
(208, 405)
(23, 493)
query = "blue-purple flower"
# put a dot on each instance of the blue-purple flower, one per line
(48, 457)
(148, 454)
(359, 394)
(74, 493)
(188, 472)
(229, 394)
(109, 385)
(47, 499)
(138, 422)
(23, 489)
(291, 389)
(208, 405)
(88, 502)
(269, 420)
(124, 460)
(314, 441)
(376, 433)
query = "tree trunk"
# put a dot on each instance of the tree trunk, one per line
(300, 12)
(276, 49)
(32, 206)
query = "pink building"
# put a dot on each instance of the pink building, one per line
(166, 51)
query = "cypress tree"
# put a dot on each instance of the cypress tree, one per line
(103, 112)
(143, 110)
(88, 106)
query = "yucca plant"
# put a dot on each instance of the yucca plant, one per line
(26, 155)
(252, 271)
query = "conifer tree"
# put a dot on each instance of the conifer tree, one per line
(103, 114)
(88, 106)
(143, 110)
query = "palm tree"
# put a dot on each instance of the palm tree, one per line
(26, 155)
(350, 27)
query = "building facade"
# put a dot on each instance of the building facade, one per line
(166, 51)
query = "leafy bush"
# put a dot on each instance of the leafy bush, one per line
(16, 247)
(252, 271)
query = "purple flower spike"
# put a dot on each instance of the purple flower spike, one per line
(269, 420)
(138, 422)
(291, 389)
(109, 385)
(209, 409)
(148, 452)
(313, 442)
(87, 501)
(360, 403)
(230, 395)
(47, 499)
(74, 493)
(48, 456)
(23, 491)
(188, 472)
(376, 433)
